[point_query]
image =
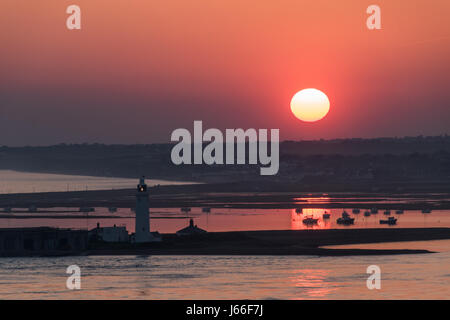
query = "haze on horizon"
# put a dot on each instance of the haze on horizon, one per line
(138, 70)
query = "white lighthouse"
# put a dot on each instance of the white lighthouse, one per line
(142, 233)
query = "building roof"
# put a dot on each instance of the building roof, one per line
(191, 229)
(101, 229)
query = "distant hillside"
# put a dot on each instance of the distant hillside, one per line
(358, 146)
(416, 158)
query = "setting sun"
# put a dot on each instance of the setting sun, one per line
(310, 105)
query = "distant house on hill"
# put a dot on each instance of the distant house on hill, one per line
(190, 230)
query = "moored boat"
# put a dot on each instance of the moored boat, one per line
(345, 219)
(390, 221)
(310, 221)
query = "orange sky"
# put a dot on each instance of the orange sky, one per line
(149, 67)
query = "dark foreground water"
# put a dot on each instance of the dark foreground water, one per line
(423, 276)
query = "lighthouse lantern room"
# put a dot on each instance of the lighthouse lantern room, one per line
(142, 232)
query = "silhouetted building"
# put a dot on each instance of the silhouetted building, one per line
(109, 234)
(190, 230)
(142, 230)
(41, 241)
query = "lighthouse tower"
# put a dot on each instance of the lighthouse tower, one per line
(142, 233)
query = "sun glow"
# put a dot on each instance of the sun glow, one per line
(310, 105)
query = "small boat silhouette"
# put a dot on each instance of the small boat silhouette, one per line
(310, 221)
(345, 219)
(390, 221)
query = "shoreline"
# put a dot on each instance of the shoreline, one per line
(319, 252)
(258, 243)
(279, 243)
(170, 180)
(225, 196)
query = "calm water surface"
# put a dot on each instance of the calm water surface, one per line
(423, 276)
(169, 220)
(26, 182)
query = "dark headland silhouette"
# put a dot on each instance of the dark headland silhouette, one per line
(414, 166)
(421, 163)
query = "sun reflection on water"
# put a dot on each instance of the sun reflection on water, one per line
(312, 282)
(315, 213)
